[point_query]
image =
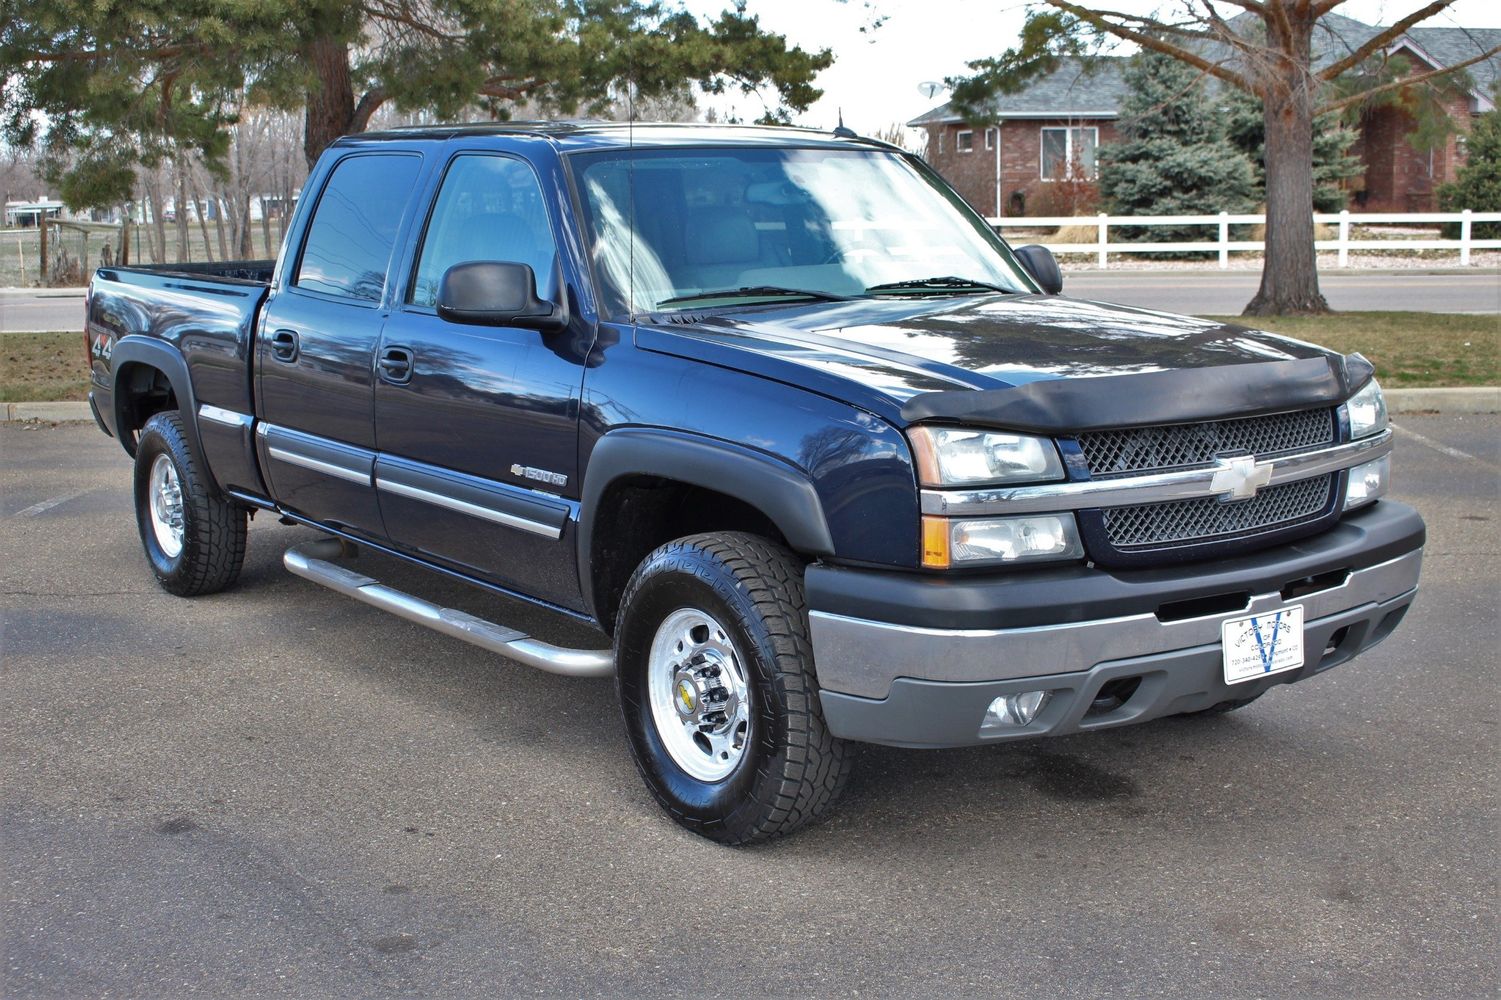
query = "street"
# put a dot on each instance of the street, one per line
(277, 791)
(1193, 292)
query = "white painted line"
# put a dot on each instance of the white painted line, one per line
(46, 505)
(1463, 456)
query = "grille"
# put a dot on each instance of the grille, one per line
(1180, 522)
(1147, 449)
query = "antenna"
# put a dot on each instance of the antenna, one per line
(841, 131)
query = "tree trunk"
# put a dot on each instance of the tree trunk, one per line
(330, 98)
(184, 246)
(200, 200)
(1290, 274)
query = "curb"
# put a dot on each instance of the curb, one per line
(1477, 399)
(1446, 402)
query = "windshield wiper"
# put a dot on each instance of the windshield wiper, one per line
(947, 284)
(757, 292)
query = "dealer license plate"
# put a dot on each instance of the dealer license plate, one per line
(1262, 644)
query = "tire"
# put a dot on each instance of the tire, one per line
(724, 614)
(196, 546)
(1226, 706)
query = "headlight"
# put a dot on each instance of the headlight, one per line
(979, 541)
(1367, 410)
(951, 456)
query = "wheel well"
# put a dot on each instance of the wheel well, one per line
(638, 513)
(141, 392)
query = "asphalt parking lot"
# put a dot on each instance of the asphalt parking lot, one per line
(279, 792)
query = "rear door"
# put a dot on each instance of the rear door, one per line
(315, 354)
(478, 425)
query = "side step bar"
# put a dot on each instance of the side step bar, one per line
(310, 560)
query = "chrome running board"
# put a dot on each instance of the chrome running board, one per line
(310, 560)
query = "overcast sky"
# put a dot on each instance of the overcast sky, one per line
(875, 76)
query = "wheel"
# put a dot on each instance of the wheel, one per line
(1226, 706)
(716, 682)
(194, 539)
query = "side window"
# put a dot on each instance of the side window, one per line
(348, 244)
(489, 208)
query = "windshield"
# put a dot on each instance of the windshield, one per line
(751, 226)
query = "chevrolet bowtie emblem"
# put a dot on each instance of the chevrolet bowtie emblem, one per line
(1240, 477)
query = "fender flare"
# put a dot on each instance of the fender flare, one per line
(158, 354)
(775, 487)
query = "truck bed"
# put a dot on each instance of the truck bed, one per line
(253, 271)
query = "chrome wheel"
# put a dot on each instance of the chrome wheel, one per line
(165, 493)
(700, 702)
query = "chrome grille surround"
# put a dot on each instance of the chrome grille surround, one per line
(1204, 519)
(1134, 450)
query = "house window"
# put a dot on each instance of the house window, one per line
(1068, 153)
(964, 142)
(990, 138)
(940, 140)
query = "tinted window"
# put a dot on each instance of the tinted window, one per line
(349, 242)
(489, 208)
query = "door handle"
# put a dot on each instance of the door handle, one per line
(395, 365)
(284, 345)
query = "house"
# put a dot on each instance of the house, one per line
(1045, 134)
(1050, 131)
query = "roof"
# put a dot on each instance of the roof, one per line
(1079, 88)
(588, 134)
(1073, 92)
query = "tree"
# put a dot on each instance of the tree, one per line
(1478, 185)
(1333, 164)
(1266, 51)
(1174, 157)
(126, 82)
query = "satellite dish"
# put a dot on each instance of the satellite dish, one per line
(930, 88)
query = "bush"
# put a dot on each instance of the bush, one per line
(1478, 183)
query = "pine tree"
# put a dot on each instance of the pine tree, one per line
(1174, 157)
(1332, 139)
(1478, 184)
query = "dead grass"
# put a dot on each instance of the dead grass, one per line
(1409, 349)
(41, 367)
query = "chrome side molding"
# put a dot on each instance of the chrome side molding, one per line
(312, 561)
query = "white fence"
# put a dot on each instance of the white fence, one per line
(1102, 248)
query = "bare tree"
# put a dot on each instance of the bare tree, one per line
(1263, 47)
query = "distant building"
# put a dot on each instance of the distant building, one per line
(29, 214)
(1047, 133)
(1052, 129)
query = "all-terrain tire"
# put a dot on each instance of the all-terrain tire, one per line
(213, 529)
(790, 770)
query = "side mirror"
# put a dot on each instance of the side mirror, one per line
(496, 293)
(1042, 265)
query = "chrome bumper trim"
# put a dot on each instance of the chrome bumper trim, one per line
(860, 657)
(1188, 484)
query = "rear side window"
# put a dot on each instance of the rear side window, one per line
(489, 208)
(348, 244)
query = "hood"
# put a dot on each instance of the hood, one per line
(960, 357)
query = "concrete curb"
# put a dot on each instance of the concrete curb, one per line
(1476, 399)
(1480, 399)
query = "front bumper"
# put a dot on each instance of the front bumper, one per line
(923, 672)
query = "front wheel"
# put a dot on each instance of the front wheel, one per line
(194, 538)
(716, 682)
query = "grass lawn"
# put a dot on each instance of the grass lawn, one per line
(42, 367)
(1409, 349)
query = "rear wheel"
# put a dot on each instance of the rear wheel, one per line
(716, 682)
(194, 538)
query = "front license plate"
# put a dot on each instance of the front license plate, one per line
(1262, 644)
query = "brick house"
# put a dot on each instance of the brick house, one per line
(1046, 134)
(1040, 143)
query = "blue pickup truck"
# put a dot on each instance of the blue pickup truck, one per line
(821, 457)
